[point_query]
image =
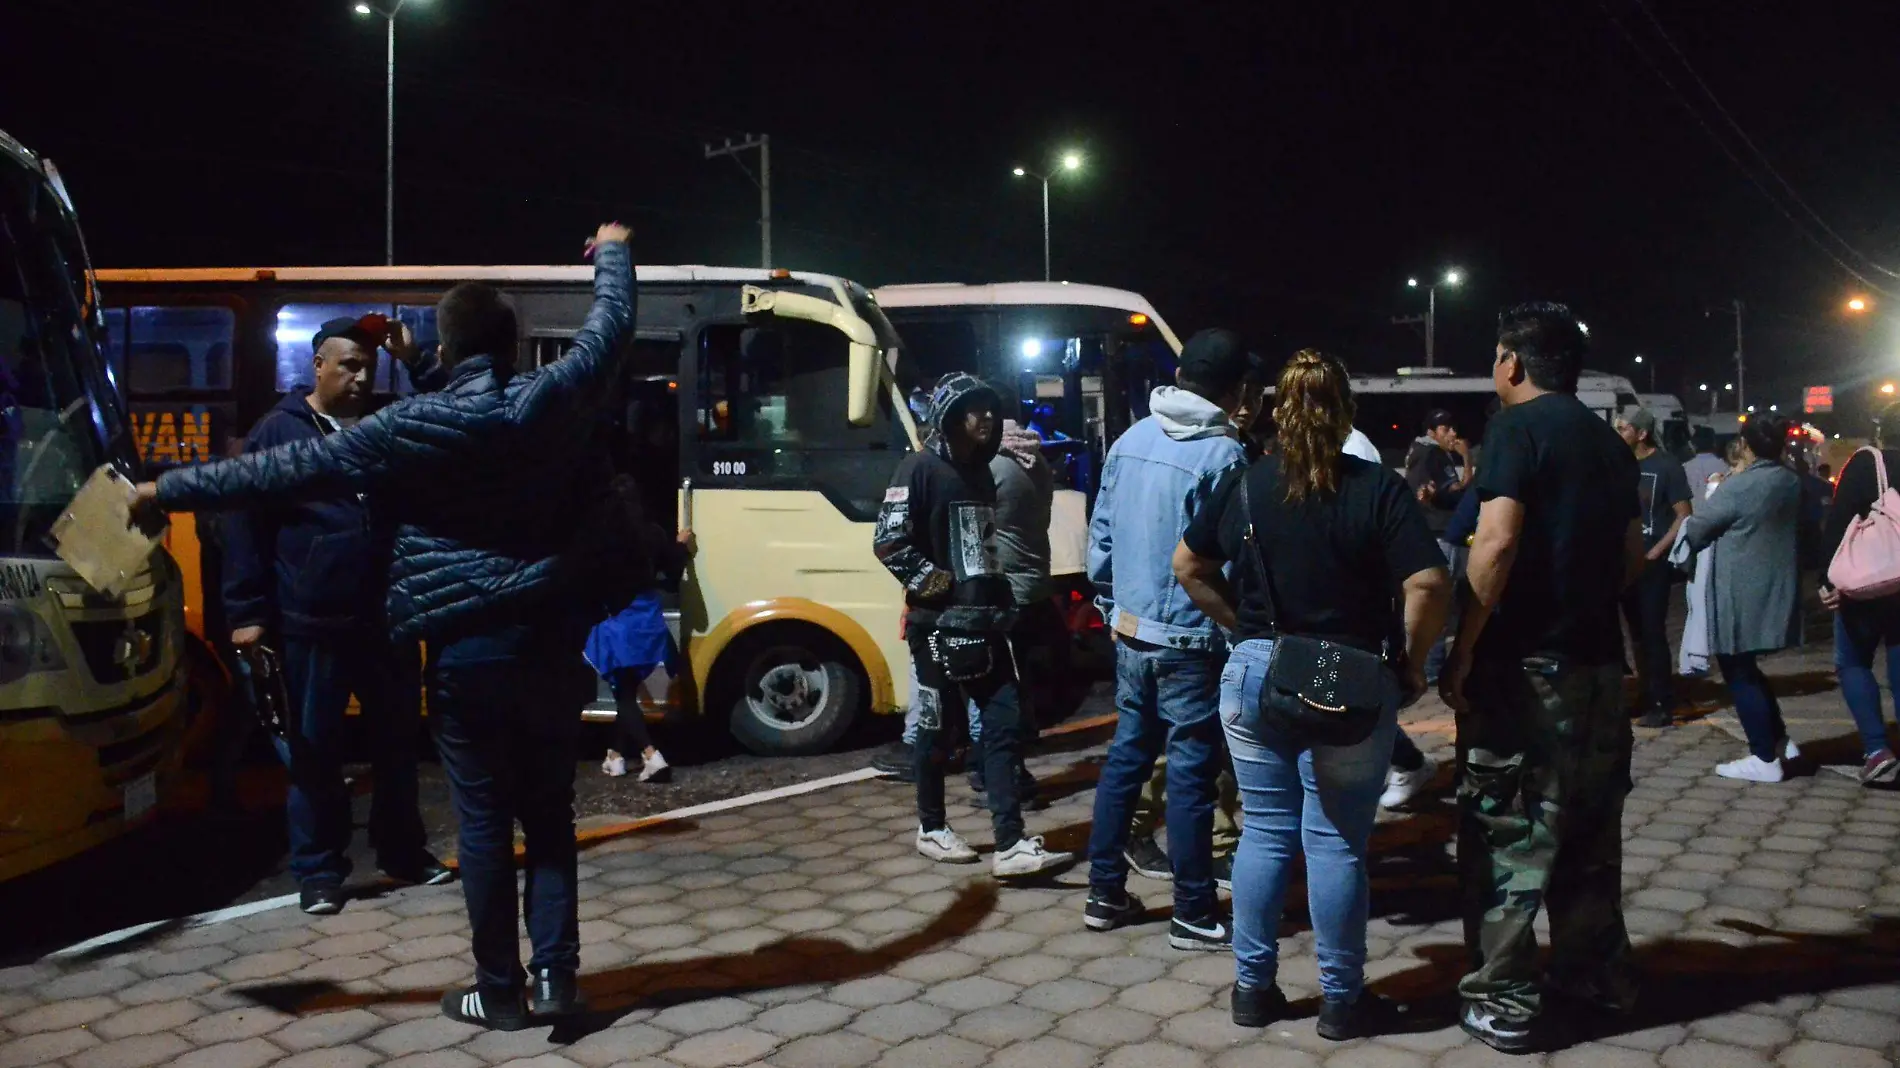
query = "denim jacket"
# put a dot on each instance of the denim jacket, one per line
(1157, 476)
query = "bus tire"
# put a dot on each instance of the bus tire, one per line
(798, 690)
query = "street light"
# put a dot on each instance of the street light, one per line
(1887, 388)
(389, 127)
(1639, 361)
(1857, 304)
(1070, 161)
(1452, 279)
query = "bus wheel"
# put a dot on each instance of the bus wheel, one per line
(799, 691)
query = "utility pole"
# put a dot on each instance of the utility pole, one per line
(1741, 372)
(389, 148)
(763, 143)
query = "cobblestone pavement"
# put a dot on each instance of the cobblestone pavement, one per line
(804, 933)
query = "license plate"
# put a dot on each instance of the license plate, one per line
(141, 796)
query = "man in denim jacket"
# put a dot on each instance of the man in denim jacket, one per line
(1167, 654)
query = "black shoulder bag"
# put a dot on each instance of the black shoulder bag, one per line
(1316, 692)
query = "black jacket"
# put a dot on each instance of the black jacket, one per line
(485, 480)
(937, 529)
(314, 567)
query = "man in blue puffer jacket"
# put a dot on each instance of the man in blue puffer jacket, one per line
(488, 481)
(309, 573)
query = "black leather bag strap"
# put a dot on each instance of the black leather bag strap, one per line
(1253, 551)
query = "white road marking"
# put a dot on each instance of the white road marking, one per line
(252, 908)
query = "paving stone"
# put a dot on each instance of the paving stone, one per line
(618, 1044)
(1030, 969)
(45, 1047)
(1806, 918)
(135, 1051)
(62, 1015)
(422, 1035)
(1745, 1029)
(1153, 1055)
(1595, 1056)
(801, 1018)
(720, 1049)
(1254, 1057)
(873, 991)
(1374, 1055)
(1063, 996)
(1208, 1029)
(1478, 1055)
(1003, 1025)
(326, 1029)
(936, 1051)
(901, 1022)
(1667, 899)
(1765, 879)
(429, 947)
(701, 1017)
(338, 1057)
(1851, 1027)
(971, 993)
(1808, 1053)
(1698, 1053)
(1049, 1053)
(441, 1058)
(249, 1022)
(1118, 970)
(840, 1049)
(250, 1053)
(1107, 1026)
(444, 973)
(1653, 1039)
(1164, 997)
(86, 982)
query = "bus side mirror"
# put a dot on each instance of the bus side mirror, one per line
(862, 367)
(862, 397)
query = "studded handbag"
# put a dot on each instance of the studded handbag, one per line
(1316, 692)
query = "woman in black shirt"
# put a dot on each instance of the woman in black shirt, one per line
(1339, 538)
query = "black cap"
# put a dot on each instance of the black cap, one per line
(1217, 359)
(1438, 417)
(354, 329)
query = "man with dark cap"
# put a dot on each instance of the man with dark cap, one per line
(1666, 501)
(1168, 655)
(307, 577)
(936, 533)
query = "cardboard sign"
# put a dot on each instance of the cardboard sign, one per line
(97, 538)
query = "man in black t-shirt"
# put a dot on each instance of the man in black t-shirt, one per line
(1663, 496)
(1538, 692)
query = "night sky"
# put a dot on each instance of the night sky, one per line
(1278, 168)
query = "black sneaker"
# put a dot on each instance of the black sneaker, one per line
(1341, 1021)
(978, 784)
(554, 992)
(1501, 1033)
(321, 899)
(1257, 1007)
(1147, 858)
(1224, 872)
(421, 870)
(470, 1005)
(1204, 935)
(1105, 914)
(894, 760)
(1657, 717)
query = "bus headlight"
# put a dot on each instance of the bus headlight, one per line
(26, 645)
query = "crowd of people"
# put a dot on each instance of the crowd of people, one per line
(1275, 596)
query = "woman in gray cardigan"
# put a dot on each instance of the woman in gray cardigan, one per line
(1749, 529)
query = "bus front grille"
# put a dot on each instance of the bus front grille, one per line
(118, 650)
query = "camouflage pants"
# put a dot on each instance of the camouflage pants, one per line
(1152, 805)
(1545, 753)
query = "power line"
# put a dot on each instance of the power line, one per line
(1747, 171)
(1752, 147)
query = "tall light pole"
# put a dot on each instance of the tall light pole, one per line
(1741, 373)
(1453, 278)
(388, 10)
(763, 143)
(1070, 161)
(1652, 371)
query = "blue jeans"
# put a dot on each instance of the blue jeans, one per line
(1455, 555)
(507, 729)
(1166, 697)
(1859, 630)
(1755, 704)
(1323, 797)
(320, 674)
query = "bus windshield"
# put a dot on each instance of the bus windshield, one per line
(52, 434)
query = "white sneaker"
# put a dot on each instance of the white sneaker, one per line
(615, 765)
(655, 768)
(1789, 750)
(1751, 768)
(945, 846)
(1403, 787)
(1027, 857)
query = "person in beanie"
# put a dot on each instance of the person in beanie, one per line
(936, 533)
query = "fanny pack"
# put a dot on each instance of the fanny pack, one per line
(1316, 692)
(963, 657)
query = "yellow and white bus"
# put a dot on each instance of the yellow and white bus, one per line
(789, 427)
(92, 703)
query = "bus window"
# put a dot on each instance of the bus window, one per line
(932, 350)
(153, 351)
(771, 412)
(298, 323)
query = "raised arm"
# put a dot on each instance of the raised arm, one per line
(592, 365)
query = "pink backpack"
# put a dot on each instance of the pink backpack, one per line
(1867, 565)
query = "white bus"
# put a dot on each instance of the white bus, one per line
(1392, 408)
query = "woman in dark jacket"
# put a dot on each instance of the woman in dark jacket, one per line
(1861, 627)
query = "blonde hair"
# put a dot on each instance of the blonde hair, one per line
(1312, 413)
